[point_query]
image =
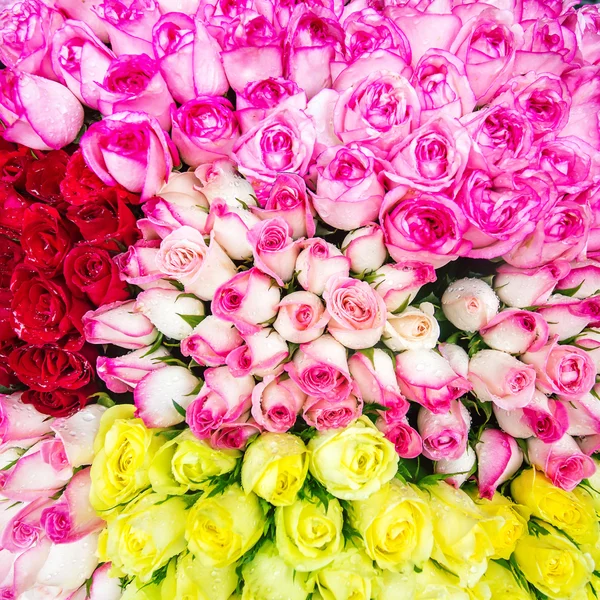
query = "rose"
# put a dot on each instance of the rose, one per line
(365, 247)
(583, 416)
(24, 111)
(13, 166)
(470, 304)
(502, 581)
(129, 149)
(44, 175)
(276, 403)
(567, 161)
(11, 255)
(263, 353)
(583, 278)
(138, 265)
(301, 317)
(515, 331)
(434, 580)
(22, 527)
(12, 428)
(458, 470)
(235, 435)
(568, 317)
(412, 329)
(323, 414)
(13, 206)
(230, 227)
(352, 463)
(427, 378)
(423, 227)
(221, 181)
(57, 403)
(399, 283)
(317, 263)
(584, 25)
(188, 579)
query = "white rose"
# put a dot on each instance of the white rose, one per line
(469, 304)
(412, 329)
(365, 247)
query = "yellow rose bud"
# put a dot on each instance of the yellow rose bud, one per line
(354, 462)
(124, 450)
(594, 486)
(275, 467)
(220, 529)
(435, 583)
(268, 577)
(308, 535)
(554, 565)
(138, 590)
(146, 534)
(572, 512)
(498, 583)
(395, 524)
(185, 463)
(395, 586)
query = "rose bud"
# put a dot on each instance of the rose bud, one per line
(320, 369)
(235, 435)
(301, 317)
(21, 527)
(469, 304)
(568, 317)
(263, 353)
(502, 379)
(460, 467)
(138, 267)
(107, 149)
(276, 402)
(118, 324)
(444, 435)
(399, 283)
(26, 111)
(590, 342)
(122, 373)
(230, 227)
(249, 300)
(564, 370)
(323, 414)
(498, 459)
(58, 403)
(220, 180)
(456, 356)
(522, 288)
(583, 279)
(161, 394)
(223, 399)
(544, 418)
(185, 256)
(318, 262)
(20, 422)
(562, 462)
(406, 439)
(274, 250)
(427, 378)
(365, 248)
(583, 416)
(515, 331)
(211, 341)
(412, 329)
(357, 312)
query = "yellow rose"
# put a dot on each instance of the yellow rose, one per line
(433, 583)
(146, 535)
(395, 524)
(572, 512)
(395, 586)
(220, 529)
(553, 564)
(185, 463)
(138, 590)
(354, 462)
(594, 486)
(498, 583)
(124, 450)
(275, 467)
(308, 535)
(268, 577)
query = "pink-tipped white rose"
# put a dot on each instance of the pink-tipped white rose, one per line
(324, 414)
(516, 331)
(301, 318)
(138, 265)
(318, 262)
(406, 439)
(457, 469)
(262, 354)
(365, 247)
(230, 227)
(220, 180)
(276, 403)
(20, 422)
(211, 341)
(444, 435)
(567, 317)
(470, 304)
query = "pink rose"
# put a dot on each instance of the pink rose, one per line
(405, 438)
(585, 23)
(263, 353)
(562, 462)
(583, 279)
(26, 105)
(230, 227)
(568, 317)
(204, 129)
(211, 341)
(498, 459)
(516, 331)
(130, 149)
(320, 369)
(563, 370)
(349, 187)
(427, 378)
(590, 342)
(583, 415)
(583, 86)
(21, 525)
(249, 300)
(470, 304)
(83, 13)
(458, 470)
(276, 402)
(444, 435)
(301, 317)
(568, 162)
(20, 422)
(365, 247)
(318, 262)
(399, 283)
(223, 399)
(138, 265)
(324, 414)
(357, 313)
(235, 435)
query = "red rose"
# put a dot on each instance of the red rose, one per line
(8, 379)
(11, 255)
(91, 272)
(57, 403)
(44, 176)
(6, 330)
(48, 368)
(13, 166)
(46, 238)
(12, 208)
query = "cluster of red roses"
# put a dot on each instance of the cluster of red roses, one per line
(59, 229)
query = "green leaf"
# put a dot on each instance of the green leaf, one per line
(244, 205)
(197, 389)
(179, 408)
(192, 320)
(219, 483)
(535, 528)
(193, 296)
(170, 360)
(155, 346)
(103, 399)
(10, 465)
(570, 292)
(374, 406)
(176, 284)
(402, 307)
(441, 567)
(369, 353)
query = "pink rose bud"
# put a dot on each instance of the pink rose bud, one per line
(201, 268)
(211, 341)
(498, 459)
(223, 399)
(528, 287)
(249, 300)
(21, 528)
(405, 438)
(320, 369)
(122, 373)
(459, 468)
(470, 304)
(590, 342)
(276, 403)
(301, 318)
(161, 394)
(365, 247)
(444, 435)
(230, 226)
(107, 149)
(502, 379)
(138, 265)
(235, 435)
(118, 324)
(562, 462)
(28, 109)
(357, 312)
(21, 422)
(412, 329)
(220, 180)
(274, 250)
(83, 13)
(318, 262)
(516, 331)
(323, 414)
(399, 283)
(427, 378)
(263, 353)
(583, 279)
(583, 416)
(567, 317)
(564, 370)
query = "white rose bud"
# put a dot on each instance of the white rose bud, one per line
(469, 304)
(365, 247)
(412, 329)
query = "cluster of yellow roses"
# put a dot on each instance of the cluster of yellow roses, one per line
(327, 520)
